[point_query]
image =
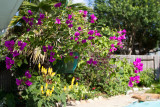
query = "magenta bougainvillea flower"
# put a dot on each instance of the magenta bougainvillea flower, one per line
(79, 28)
(69, 16)
(113, 37)
(25, 19)
(52, 59)
(76, 57)
(130, 84)
(93, 18)
(30, 12)
(84, 41)
(91, 32)
(9, 62)
(10, 45)
(28, 83)
(28, 30)
(39, 21)
(58, 21)
(41, 16)
(80, 11)
(85, 13)
(112, 48)
(91, 62)
(132, 79)
(71, 53)
(58, 5)
(27, 74)
(21, 45)
(68, 21)
(50, 47)
(52, 54)
(77, 34)
(98, 34)
(94, 62)
(44, 49)
(112, 45)
(15, 53)
(70, 25)
(76, 39)
(90, 37)
(30, 23)
(71, 38)
(138, 65)
(18, 82)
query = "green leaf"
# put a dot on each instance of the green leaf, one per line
(19, 63)
(112, 61)
(25, 61)
(40, 103)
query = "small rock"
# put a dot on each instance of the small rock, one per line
(77, 102)
(129, 92)
(72, 103)
(83, 102)
(90, 101)
(135, 89)
(145, 88)
(95, 99)
(100, 97)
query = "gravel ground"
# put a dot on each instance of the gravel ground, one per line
(116, 101)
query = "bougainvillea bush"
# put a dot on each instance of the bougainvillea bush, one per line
(59, 35)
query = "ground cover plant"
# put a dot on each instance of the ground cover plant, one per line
(58, 36)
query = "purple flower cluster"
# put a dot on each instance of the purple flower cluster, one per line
(52, 57)
(69, 21)
(93, 18)
(76, 57)
(132, 79)
(58, 5)
(91, 32)
(18, 82)
(58, 21)
(138, 65)
(10, 45)
(21, 45)
(84, 12)
(30, 12)
(9, 62)
(28, 76)
(112, 48)
(119, 39)
(28, 83)
(71, 53)
(15, 53)
(91, 62)
(41, 17)
(45, 48)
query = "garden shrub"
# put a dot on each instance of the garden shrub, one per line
(57, 36)
(147, 78)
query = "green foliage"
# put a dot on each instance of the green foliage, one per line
(7, 99)
(146, 78)
(155, 89)
(110, 76)
(45, 91)
(140, 18)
